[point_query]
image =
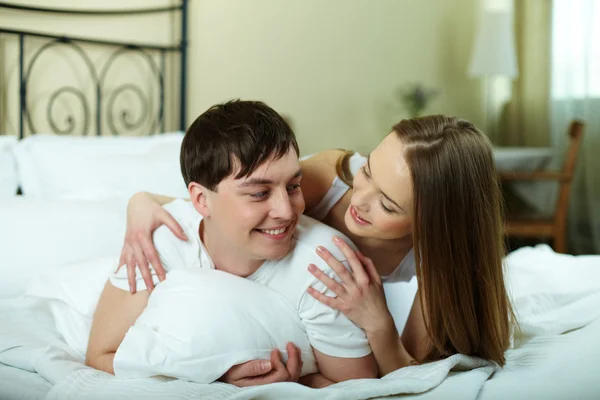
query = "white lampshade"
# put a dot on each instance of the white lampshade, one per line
(494, 50)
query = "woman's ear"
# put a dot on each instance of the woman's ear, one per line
(199, 195)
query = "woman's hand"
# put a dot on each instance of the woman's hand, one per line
(261, 372)
(144, 215)
(360, 294)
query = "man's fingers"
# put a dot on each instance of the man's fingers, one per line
(248, 369)
(280, 373)
(294, 363)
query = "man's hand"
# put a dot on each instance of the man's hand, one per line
(262, 372)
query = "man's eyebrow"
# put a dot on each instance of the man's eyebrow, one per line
(384, 195)
(260, 181)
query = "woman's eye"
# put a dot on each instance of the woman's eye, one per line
(385, 209)
(364, 171)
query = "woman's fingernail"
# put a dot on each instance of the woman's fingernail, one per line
(311, 267)
(320, 249)
(337, 239)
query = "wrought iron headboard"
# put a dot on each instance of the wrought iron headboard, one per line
(98, 73)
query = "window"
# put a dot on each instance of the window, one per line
(575, 49)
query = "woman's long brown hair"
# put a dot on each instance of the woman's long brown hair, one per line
(458, 237)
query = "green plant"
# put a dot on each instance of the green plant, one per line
(415, 98)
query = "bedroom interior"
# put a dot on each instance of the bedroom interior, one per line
(95, 99)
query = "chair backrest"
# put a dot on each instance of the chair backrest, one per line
(568, 171)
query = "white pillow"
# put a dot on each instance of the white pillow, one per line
(99, 167)
(200, 323)
(36, 234)
(8, 170)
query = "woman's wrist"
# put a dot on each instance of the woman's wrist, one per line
(381, 326)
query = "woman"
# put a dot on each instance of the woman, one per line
(427, 202)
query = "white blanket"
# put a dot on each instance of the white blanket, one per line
(552, 294)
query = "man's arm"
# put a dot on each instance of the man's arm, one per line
(337, 369)
(116, 312)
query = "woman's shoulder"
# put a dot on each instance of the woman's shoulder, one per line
(318, 173)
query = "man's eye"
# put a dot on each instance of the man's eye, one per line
(292, 188)
(259, 195)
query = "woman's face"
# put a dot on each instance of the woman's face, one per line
(382, 198)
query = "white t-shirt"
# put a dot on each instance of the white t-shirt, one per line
(329, 331)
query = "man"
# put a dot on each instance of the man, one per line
(240, 162)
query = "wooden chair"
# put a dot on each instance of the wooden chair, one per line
(553, 226)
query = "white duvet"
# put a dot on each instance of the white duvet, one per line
(552, 294)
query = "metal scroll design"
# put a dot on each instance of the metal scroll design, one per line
(126, 117)
(70, 120)
(126, 121)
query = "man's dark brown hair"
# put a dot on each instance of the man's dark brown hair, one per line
(232, 135)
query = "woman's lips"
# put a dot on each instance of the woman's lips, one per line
(357, 217)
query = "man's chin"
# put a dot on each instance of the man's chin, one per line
(277, 254)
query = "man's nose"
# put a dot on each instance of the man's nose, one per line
(281, 206)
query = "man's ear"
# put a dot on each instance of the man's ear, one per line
(200, 197)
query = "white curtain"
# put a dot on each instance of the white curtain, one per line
(575, 93)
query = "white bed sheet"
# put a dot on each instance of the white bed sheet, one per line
(549, 367)
(18, 384)
(30, 342)
(552, 293)
(555, 367)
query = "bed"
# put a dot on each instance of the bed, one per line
(61, 218)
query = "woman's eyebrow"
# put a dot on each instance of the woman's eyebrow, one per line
(382, 192)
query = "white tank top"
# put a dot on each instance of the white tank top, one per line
(406, 269)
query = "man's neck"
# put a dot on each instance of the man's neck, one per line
(223, 256)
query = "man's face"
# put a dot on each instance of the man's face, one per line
(256, 216)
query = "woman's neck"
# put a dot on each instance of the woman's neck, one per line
(386, 254)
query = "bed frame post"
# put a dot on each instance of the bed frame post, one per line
(184, 42)
(22, 89)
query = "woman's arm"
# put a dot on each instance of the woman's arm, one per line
(144, 214)
(318, 173)
(159, 199)
(415, 338)
(361, 298)
(388, 348)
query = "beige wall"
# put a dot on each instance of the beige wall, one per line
(331, 65)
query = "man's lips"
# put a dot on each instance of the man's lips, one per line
(278, 232)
